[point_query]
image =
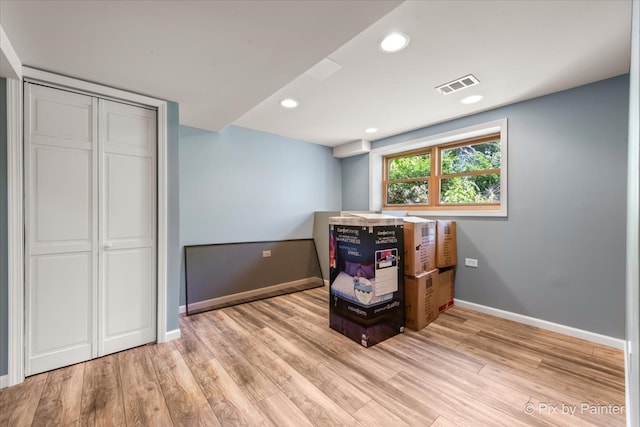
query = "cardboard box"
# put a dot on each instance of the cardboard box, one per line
(419, 245)
(420, 299)
(446, 247)
(445, 290)
(366, 297)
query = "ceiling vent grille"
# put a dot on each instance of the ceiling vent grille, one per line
(458, 84)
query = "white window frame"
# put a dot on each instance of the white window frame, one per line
(377, 155)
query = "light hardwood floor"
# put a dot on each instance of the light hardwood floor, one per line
(276, 362)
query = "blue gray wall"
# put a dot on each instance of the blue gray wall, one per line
(355, 183)
(241, 185)
(173, 215)
(560, 254)
(4, 238)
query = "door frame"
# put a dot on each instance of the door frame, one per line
(16, 193)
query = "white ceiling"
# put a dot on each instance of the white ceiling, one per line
(231, 62)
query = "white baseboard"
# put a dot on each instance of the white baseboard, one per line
(173, 335)
(4, 381)
(544, 324)
(203, 305)
(182, 309)
(326, 282)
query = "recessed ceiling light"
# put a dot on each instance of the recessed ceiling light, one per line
(472, 99)
(394, 42)
(289, 103)
(371, 130)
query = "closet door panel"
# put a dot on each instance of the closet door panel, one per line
(127, 226)
(61, 328)
(60, 115)
(128, 200)
(62, 199)
(129, 318)
(61, 271)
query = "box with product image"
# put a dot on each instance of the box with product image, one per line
(446, 247)
(366, 297)
(419, 245)
(446, 278)
(421, 299)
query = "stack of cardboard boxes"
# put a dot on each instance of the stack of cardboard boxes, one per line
(430, 256)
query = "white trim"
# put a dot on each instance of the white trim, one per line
(161, 323)
(15, 227)
(10, 64)
(172, 335)
(632, 312)
(4, 381)
(183, 308)
(544, 324)
(203, 305)
(353, 148)
(16, 200)
(75, 85)
(376, 156)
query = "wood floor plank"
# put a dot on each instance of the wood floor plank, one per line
(335, 343)
(60, 401)
(613, 355)
(247, 323)
(18, 404)
(244, 373)
(471, 388)
(185, 401)
(404, 406)
(330, 383)
(243, 341)
(374, 414)
(282, 412)
(411, 351)
(229, 402)
(189, 345)
(443, 421)
(442, 334)
(457, 406)
(543, 389)
(317, 406)
(304, 306)
(102, 403)
(544, 339)
(505, 348)
(144, 402)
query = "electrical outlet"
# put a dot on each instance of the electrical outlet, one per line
(471, 262)
(266, 254)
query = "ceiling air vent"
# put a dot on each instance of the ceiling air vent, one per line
(458, 84)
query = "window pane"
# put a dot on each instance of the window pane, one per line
(408, 193)
(417, 166)
(471, 158)
(470, 189)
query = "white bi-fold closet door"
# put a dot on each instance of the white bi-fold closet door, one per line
(90, 238)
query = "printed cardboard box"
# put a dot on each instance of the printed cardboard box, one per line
(446, 278)
(421, 299)
(446, 247)
(366, 281)
(419, 245)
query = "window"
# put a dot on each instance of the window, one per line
(408, 177)
(458, 173)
